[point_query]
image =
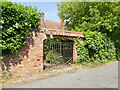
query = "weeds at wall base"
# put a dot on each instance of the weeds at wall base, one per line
(93, 64)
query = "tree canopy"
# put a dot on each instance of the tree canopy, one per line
(100, 24)
(91, 16)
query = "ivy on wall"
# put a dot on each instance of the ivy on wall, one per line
(17, 21)
(96, 47)
(100, 24)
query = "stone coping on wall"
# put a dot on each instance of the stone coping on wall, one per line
(61, 32)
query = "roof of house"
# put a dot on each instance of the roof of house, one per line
(48, 24)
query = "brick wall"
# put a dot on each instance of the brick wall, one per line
(29, 57)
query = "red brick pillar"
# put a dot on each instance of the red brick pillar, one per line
(74, 51)
(42, 22)
(36, 50)
(41, 48)
(42, 15)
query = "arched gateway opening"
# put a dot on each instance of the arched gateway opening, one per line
(49, 34)
(58, 52)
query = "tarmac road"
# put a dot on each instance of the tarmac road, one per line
(100, 77)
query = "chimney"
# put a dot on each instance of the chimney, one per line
(42, 15)
(42, 23)
(62, 24)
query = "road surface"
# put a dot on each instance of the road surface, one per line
(100, 77)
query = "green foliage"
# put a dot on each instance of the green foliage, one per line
(54, 57)
(91, 16)
(52, 50)
(1, 57)
(96, 47)
(54, 40)
(17, 21)
(100, 23)
(5, 78)
(49, 43)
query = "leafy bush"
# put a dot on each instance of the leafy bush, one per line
(17, 21)
(96, 47)
(102, 17)
(54, 57)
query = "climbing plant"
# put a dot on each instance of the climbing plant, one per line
(96, 47)
(17, 20)
(100, 24)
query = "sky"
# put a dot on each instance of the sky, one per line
(49, 8)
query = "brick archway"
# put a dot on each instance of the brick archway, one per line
(39, 37)
(31, 55)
